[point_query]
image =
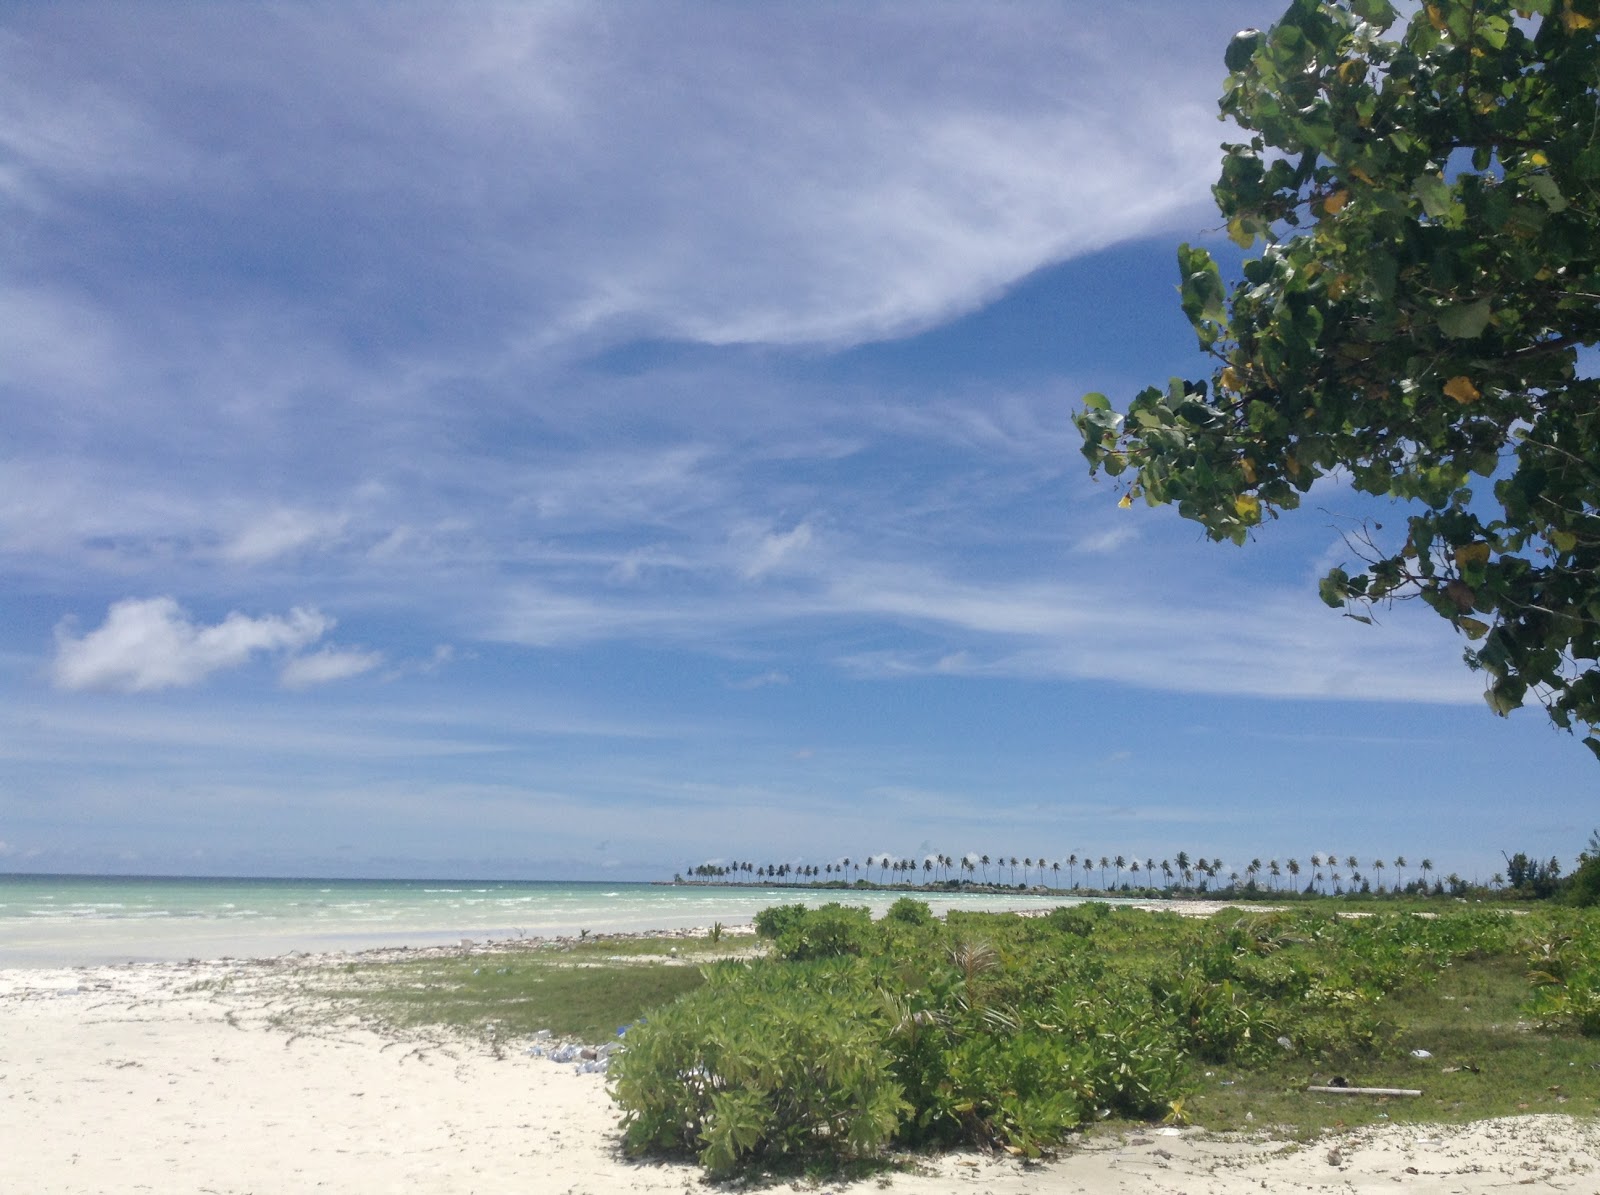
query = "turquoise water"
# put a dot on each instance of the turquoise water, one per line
(52, 921)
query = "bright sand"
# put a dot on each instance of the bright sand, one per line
(178, 1078)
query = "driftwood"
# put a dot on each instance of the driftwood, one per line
(1366, 1090)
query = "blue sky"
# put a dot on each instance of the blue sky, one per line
(575, 440)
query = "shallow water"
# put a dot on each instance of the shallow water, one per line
(56, 921)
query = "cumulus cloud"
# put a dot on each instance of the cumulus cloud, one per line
(328, 664)
(152, 643)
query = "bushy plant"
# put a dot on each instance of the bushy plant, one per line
(828, 932)
(1009, 1032)
(761, 1063)
(909, 911)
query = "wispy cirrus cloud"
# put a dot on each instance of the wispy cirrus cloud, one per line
(327, 664)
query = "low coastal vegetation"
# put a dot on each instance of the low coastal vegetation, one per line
(1003, 1031)
(578, 990)
(832, 1040)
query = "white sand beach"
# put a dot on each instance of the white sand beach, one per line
(202, 1077)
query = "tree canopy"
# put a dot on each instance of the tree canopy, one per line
(1422, 199)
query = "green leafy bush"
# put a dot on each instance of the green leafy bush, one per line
(1010, 1032)
(761, 1063)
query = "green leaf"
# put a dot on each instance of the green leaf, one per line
(1465, 320)
(1241, 49)
(1433, 193)
(1377, 12)
(1473, 628)
(1546, 189)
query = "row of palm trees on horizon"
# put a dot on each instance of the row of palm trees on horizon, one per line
(1325, 874)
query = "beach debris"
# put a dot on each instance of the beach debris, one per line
(1421, 1054)
(1345, 1089)
(1286, 1043)
(588, 1060)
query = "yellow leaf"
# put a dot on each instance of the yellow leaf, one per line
(1338, 287)
(1248, 468)
(1462, 390)
(1574, 21)
(1357, 172)
(1436, 18)
(1229, 379)
(1334, 203)
(1473, 628)
(1248, 507)
(1125, 501)
(1564, 541)
(1469, 554)
(1352, 70)
(1537, 158)
(1292, 465)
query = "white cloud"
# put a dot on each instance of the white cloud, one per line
(329, 664)
(1108, 540)
(775, 549)
(152, 643)
(760, 681)
(280, 532)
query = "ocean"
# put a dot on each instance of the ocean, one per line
(69, 921)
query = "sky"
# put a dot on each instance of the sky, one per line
(585, 440)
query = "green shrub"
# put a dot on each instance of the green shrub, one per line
(1009, 1032)
(772, 922)
(761, 1063)
(828, 932)
(908, 911)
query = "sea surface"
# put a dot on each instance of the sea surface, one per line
(69, 921)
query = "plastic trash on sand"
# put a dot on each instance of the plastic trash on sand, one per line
(1421, 1054)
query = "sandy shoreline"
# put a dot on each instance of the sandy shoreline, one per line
(205, 1077)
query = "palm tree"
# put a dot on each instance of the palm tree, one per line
(1119, 862)
(1377, 866)
(1133, 869)
(1166, 871)
(1427, 866)
(1055, 869)
(985, 861)
(1352, 862)
(1294, 871)
(1104, 863)
(1252, 870)
(1013, 869)
(1072, 869)
(1399, 871)
(1274, 872)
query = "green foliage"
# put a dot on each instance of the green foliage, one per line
(761, 1063)
(826, 932)
(909, 911)
(771, 923)
(1428, 212)
(1564, 968)
(1010, 1032)
(1583, 889)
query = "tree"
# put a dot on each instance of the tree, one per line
(1428, 211)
